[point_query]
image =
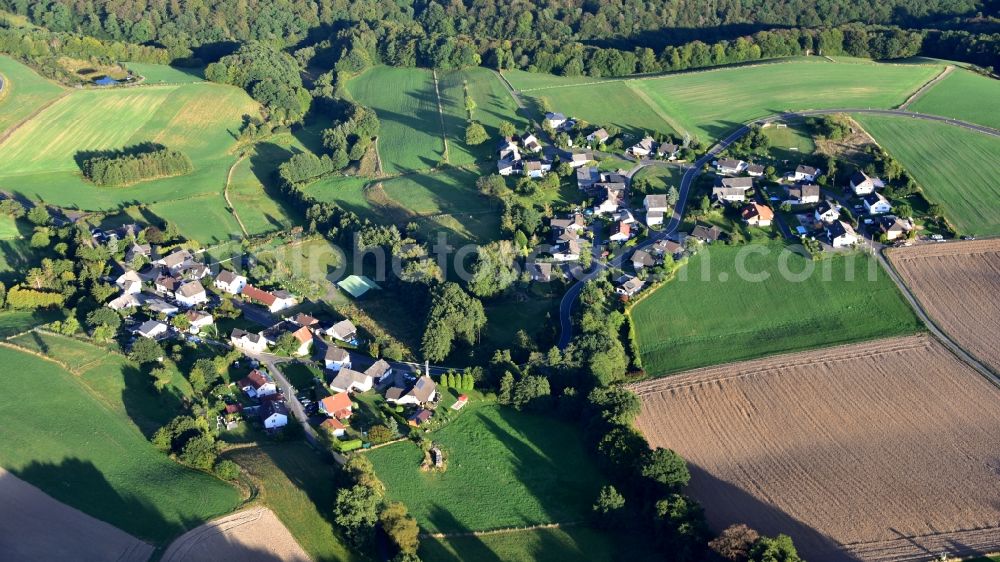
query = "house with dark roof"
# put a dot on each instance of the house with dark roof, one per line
(730, 166)
(424, 390)
(641, 259)
(191, 294)
(863, 184)
(668, 150)
(755, 214)
(586, 177)
(379, 369)
(755, 170)
(876, 204)
(349, 380)
(248, 341)
(620, 232)
(230, 282)
(419, 418)
(707, 234)
(273, 414)
(336, 358)
(805, 173)
(892, 227)
(540, 271)
(841, 234)
(731, 189)
(803, 194)
(827, 212)
(628, 285)
(152, 329)
(166, 285)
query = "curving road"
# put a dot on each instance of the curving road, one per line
(692, 172)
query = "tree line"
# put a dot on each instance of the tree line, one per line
(126, 168)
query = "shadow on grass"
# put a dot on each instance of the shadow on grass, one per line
(473, 547)
(148, 408)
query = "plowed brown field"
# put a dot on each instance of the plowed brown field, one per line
(886, 451)
(958, 285)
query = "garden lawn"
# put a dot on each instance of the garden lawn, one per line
(407, 106)
(493, 105)
(505, 468)
(62, 439)
(23, 92)
(963, 95)
(955, 167)
(711, 314)
(543, 545)
(298, 485)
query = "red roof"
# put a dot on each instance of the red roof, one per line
(754, 209)
(303, 335)
(462, 398)
(258, 295)
(624, 228)
(233, 408)
(336, 403)
(256, 379)
(331, 424)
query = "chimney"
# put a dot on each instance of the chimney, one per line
(427, 367)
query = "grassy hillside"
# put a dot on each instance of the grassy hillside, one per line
(493, 105)
(712, 314)
(955, 167)
(963, 95)
(23, 92)
(505, 468)
(164, 74)
(65, 440)
(406, 104)
(543, 545)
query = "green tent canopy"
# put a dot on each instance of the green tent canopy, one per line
(357, 285)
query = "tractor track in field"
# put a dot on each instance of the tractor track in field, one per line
(926, 87)
(225, 193)
(437, 94)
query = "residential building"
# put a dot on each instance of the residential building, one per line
(230, 282)
(420, 417)
(862, 184)
(555, 120)
(124, 301)
(166, 285)
(336, 358)
(755, 214)
(667, 247)
(507, 167)
(574, 224)
(379, 369)
(198, 320)
(348, 380)
(344, 331)
(258, 384)
(586, 177)
(138, 250)
(611, 200)
(656, 202)
(642, 148)
(729, 166)
(876, 204)
(176, 260)
(625, 216)
(805, 173)
(654, 218)
(803, 194)
(540, 271)
(248, 341)
(533, 169)
(334, 426)
(620, 232)
(731, 189)
(893, 227)
(273, 414)
(570, 251)
(841, 234)
(160, 306)
(304, 320)
(628, 285)
(275, 301)
(337, 405)
(827, 212)
(531, 144)
(193, 271)
(424, 390)
(600, 136)
(706, 234)
(303, 336)
(191, 294)
(129, 282)
(668, 151)
(152, 329)
(580, 159)
(755, 170)
(641, 259)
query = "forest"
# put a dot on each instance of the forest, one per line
(127, 167)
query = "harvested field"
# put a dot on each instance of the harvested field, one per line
(252, 534)
(950, 281)
(882, 451)
(33, 526)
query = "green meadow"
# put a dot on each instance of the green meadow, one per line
(963, 95)
(955, 167)
(505, 468)
(493, 105)
(23, 92)
(732, 303)
(165, 74)
(63, 437)
(567, 544)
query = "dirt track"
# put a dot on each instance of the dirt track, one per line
(958, 284)
(254, 534)
(883, 451)
(33, 526)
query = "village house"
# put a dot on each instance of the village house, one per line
(230, 282)
(581, 159)
(379, 369)
(507, 167)
(862, 184)
(667, 151)
(166, 285)
(803, 194)
(642, 148)
(667, 248)
(805, 173)
(892, 227)
(337, 405)
(424, 390)
(152, 329)
(334, 427)
(756, 214)
(628, 285)
(706, 234)
(570, 251)
(534, 169)
(755, 170)
(531, 144)
(274, 301)
(193, 271)
(600, 136)
(418, 418)
(731, 189)
(641, 259)
(344, 331)
(258, 384)
(625, 216)
(555, 120)
(191, 294)
(138, 250)
(729, 166)
(841, 234)
(124, 301)
(876, 204)
(657, 202)
(540, 271)
(302, 335)
(304, 320)
(620, 232)
(273, 414)
(574, 224)
(654, 218)
(129, 282)
(827, 212)
(336, 358)
(248, 341)
(611, 200)
(175, 261)
(586, 177)
(198, 320)
(349, 380)
(160, 306)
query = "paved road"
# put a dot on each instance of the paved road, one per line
(692, 172)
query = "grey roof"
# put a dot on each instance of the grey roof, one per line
(344, 329)
(191, 289)
(176, 258)
(824, 206)
(657, 200)
(839, 228)
(643, 257)
(226, 276)
(802, 191)
(555, 116)
(706, 233)
(874, 197)
(741, 183)
(334, 353)
(859, 177)
(239, 334)
(540, 270)
(726, 192)
(583, 156)
(395, 393)
(149, 325)
(378, 368)
(808, 170)
(667, 148)
(729, 163)
(755, 169)
(346, 377)
(423, 389)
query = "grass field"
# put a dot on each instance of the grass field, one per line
(791, 142)
(298, 485)
(493, 105)
(251, 191)
(711, 103)
(23, 92)
(16, 321)
(406, 104)
(505, 468)
(710, 314)
(544, 545)
(8, 228)
(62, 439)
(963, 95)
(955, 167)
(165, 74)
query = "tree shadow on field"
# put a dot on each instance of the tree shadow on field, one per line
(726, 504)
(148, 408)
(78, 483)
(469, 547)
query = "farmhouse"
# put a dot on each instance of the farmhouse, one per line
(152, 329)
(628, 285)
(841, 234)
(600, 136)
(620, 232)
(641, 259)
(755, 170)
(275, 302)
(876, 204)
(176, 260)
(422, 392)
(827, 212)
(336, 358)
(805, 173)
(731, 189)
(334, 426)
(198, 320)
(581, 159)
(540, 271)
(230, 282)
(191, 294)
(862, 184)
(348, 379)
(728, 166)
(247, 341)
(756, 214)
(273, 414)
(258, 384)
(586, 177)
(667, 151)
(803, 194)
(344, 331)
(337, 405)
(706, 234)
(555, 120)
(642, 148)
